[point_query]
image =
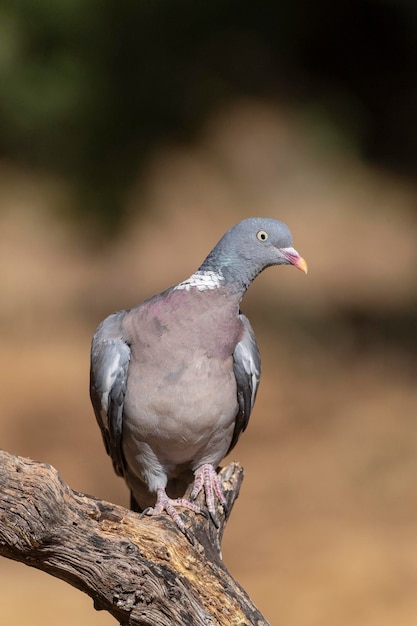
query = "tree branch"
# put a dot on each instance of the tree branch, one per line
(141, 570)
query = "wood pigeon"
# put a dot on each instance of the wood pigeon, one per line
(173, 381)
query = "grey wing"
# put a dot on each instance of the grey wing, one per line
(110, 356)
(247, 370)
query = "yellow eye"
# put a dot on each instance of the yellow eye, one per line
(262, 235)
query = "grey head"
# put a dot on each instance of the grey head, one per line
(248, 248)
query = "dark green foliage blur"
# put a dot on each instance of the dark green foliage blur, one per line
(88, 88)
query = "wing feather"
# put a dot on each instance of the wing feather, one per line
(247, 370)
(110, 356)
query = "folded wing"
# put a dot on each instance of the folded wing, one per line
(247, 370)
(110, 356)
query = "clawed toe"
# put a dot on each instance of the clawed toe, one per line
(163, 503)
(206, 478)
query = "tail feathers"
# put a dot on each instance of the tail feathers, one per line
(134, 506)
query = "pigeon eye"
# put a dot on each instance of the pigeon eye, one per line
(262, 235)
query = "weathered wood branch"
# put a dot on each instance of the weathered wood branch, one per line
(141, 570)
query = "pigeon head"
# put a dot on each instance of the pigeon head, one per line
(249, 247)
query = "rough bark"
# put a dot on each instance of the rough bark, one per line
(141, 570)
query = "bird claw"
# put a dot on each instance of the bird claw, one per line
(214, 520)
(163, 503)
(189, 535)
(206, 477)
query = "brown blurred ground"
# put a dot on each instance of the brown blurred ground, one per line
(325, 530)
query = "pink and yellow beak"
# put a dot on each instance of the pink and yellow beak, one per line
(293, 258)
(301, 264)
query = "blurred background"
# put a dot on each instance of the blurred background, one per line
(132, 135)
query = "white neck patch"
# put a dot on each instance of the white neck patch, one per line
(202, 280)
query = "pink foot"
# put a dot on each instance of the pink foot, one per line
(206, 477)
(163, 503)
